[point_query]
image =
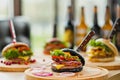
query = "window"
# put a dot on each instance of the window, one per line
(6, 8)
(41, 17)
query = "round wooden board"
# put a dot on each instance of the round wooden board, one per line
(13, 67)
(88, 73)
(114, 65)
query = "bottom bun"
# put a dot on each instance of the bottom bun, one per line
(102, 59)
(76, 69)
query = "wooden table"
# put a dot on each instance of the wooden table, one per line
(40, 57)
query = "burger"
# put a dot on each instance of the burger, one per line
(53, 44)
(101, 50)
(17, 53)
(66, 61)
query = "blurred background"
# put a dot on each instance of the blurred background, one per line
(48, 18)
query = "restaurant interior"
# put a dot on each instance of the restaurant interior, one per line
(57, 33)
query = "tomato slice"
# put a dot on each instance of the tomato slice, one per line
(61, 57)
(58, 57)
(54, 57)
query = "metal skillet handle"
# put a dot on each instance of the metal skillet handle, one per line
(85, 40)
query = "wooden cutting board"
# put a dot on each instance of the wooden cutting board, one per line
(13, 67)
(88, 73)
(114, 65)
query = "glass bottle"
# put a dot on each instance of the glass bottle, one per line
(96, 27)
(69, 29)
(115, 34)
(108, 24)
(81, 29)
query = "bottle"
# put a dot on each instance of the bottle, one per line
(69, 29)
(115, 34)
(81, 29)
(96, 27)
(112, 4)
(55, 20)
(118, 11)
(55, 30)
(108, 24)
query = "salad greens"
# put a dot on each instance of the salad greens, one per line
(62, 54)
(57, 53)
(11, 54)
(26, 53)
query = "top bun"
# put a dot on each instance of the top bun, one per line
(108, 43)
(13, 45)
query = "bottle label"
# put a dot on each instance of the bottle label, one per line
(68, 36)
(82, 31)
(79, 39)
(106, 33)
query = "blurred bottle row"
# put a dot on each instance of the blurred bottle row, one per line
(75, 34)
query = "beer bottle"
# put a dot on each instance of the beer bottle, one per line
(81, 29)
(69, 29)
(96, 27)
(108, 24)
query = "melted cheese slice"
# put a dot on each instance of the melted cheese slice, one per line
(58, 66)
(25, 57)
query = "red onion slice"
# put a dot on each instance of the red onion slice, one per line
(43, 74)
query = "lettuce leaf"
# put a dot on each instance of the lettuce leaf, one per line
(10, 54)
(14, 53)
(26, 53)
(57, 53)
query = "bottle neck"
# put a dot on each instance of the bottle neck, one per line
(107, 16)
(69, 23)
(95, 19)
(70, 16)
(82, 16)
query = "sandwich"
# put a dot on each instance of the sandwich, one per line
(53, 44)
(66, 61)
(101, 50)
(17, 53)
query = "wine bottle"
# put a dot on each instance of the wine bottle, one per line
(108, 24)
(69, 29)
(112, 4)
(118, 11)
(81, 29)
(96, 27)
(55, 19)
(115, 34)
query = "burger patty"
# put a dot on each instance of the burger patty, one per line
(68, 64)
